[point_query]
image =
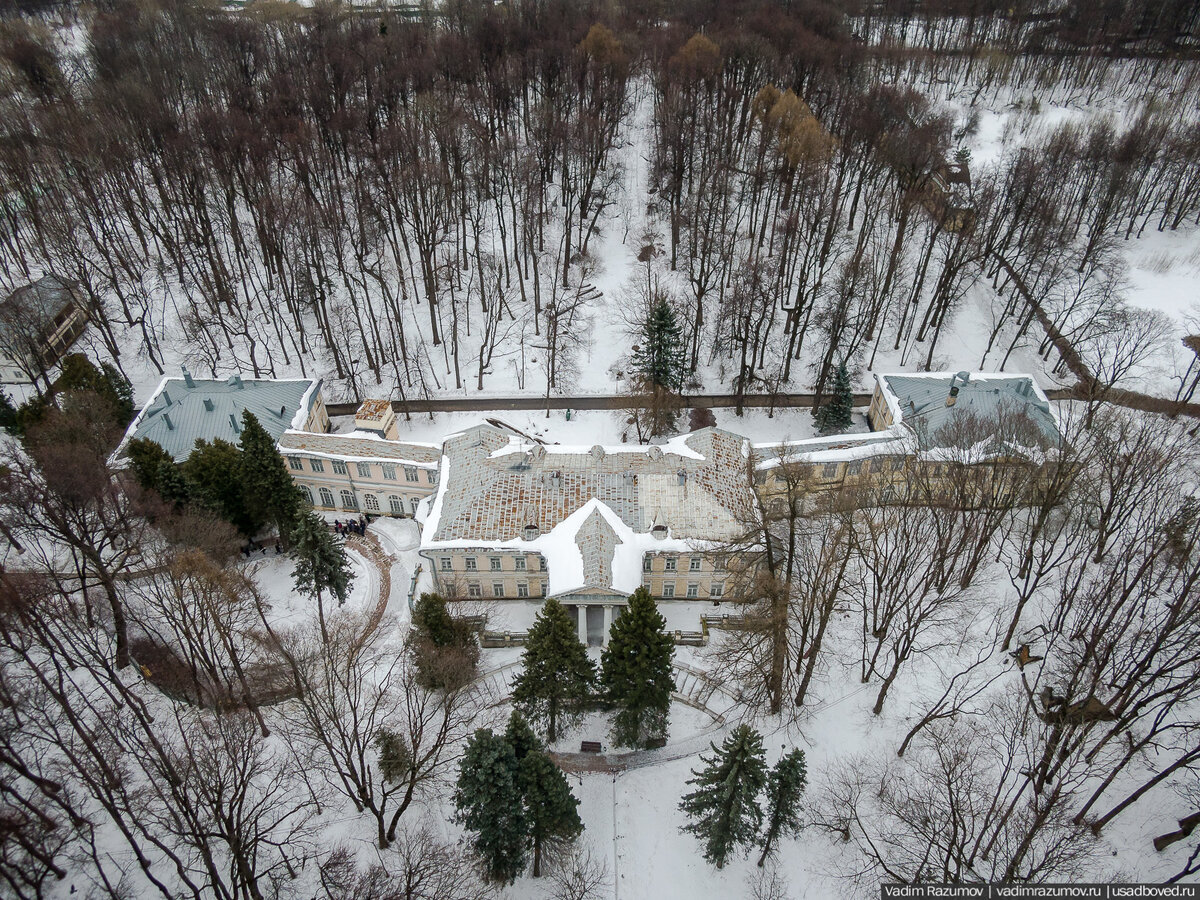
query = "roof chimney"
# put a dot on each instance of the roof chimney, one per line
(208, 404)
(188, 381)
(165, 397)
(236, 381)
(233, 423)
(167, 419)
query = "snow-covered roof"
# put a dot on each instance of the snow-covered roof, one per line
(919, 401)
(359, 446)
(595, 511)
(184, 410)
(891, 441)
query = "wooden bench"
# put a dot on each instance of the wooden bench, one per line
(589, 747)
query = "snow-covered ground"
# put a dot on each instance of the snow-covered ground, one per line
(1161, 268)
(273, 576)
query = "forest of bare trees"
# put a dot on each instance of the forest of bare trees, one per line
(1056, 635)
(422, 203)
(409, 204)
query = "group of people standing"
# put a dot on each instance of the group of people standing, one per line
(350, 526)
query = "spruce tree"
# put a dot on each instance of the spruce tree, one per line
(785, 784)
(433, 621)
(660, 358)
(445, 649)
(270, 493)
(724, 808)
(321, 563)
(521, 737)
(145, 457)
(213, 473)
(489, 803)
(122, 392)
(8, 414)
(556, 674)
(171, 484)
(635, 672)
(836, 414)
(551, 810)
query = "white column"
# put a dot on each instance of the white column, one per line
(608, 620)
(582, 612)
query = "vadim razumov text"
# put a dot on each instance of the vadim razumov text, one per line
(1032, 891)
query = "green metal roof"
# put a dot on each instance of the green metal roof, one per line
(184, 410)
(922, 403)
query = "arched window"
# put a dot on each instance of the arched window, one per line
(326, 498)
(348, 500)
(396, 504)
(371, 503)
(307, 494)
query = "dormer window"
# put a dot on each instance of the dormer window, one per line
(531, 532)
(659, 532)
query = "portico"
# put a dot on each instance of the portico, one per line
(594, 614)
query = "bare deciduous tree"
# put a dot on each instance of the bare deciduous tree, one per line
(364, 724)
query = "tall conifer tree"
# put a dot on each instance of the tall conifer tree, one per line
(837, 413)
(269, 489)
(551, 810)
(556, 674)
(321, 563)
(785, 784)
(488, 803)
(660, 357)
(724, 808)
(635, 672)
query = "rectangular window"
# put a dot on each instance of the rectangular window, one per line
(669, 589)
(364, 470)
(876, 465)
(646, 561)
(389, 472)
(716, 589)
(497, 588)
(694, 564)
(670, 564)
(339, 468)
(410, 474)
(412, 503)
(520, 563)
(447, 564)
(317, 465)
(718, 564)
(693, 590)
(853, 468)
(494, 562)
(432, 475)
(897, 463)
(296, 464)
(470, 564)
(473, 589)
(523, 589)
(829, 470)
